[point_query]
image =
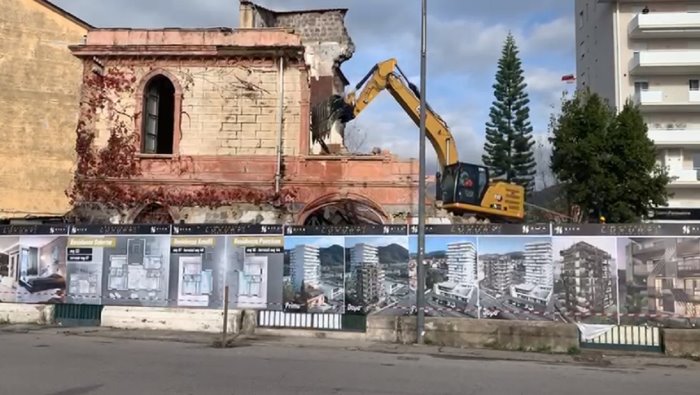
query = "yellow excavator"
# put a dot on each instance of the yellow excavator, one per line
(463, 189)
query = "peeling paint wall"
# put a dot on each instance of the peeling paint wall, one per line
(39, 95)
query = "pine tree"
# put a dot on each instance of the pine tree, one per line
(509, 151)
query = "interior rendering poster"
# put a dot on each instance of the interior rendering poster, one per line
(256, 268)
(33, 264)
(314, 271)
(197, 267)
(518, 278)
(135, 263)
(659, 280)
(377, 271)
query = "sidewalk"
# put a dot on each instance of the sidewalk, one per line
(596, 358)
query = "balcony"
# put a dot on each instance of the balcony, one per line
(658, 101)
(665, 25)
(690, 178)
(666, 62)
(675, 137)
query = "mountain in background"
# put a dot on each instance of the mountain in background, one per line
(393, 253)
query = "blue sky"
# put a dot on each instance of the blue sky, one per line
(437, 243)
(504, 245)
(465, 40)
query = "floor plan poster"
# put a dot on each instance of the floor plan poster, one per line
(377, 271)
(255, 269)
(197, 267)
(33, 264)
(135, 261)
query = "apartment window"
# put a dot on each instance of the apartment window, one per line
(694, 85)
(696, 161)
(158, 116)
(641, 86)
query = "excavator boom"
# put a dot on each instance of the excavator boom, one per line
(463, 188)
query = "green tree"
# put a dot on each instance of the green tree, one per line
(508, 150)
(605, 161)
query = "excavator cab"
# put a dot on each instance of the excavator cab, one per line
(465, 188)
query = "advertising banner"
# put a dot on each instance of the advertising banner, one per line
(314, 269)
(518, 277)
(256, 269)
(586, 274)
(660, 280)
(377, 271)
(33, 263)
(135, 261)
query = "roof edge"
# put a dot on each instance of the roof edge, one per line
(60, 11)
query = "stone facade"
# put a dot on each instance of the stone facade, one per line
(39, 94)
(327, 45)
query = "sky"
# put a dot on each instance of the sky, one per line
(464, 43)
(504, 245)
(435, 243)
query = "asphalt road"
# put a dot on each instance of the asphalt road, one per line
(54, 364)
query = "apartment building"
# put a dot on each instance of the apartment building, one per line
(499, 271)
(650, 51)
(461, 263)
(586, 277)
(370, 285)
(363, 254)
(305, 267)
(539, 270)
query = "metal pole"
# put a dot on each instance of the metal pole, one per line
(420, 295)
(223, 333)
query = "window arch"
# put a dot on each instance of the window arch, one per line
(159, 124)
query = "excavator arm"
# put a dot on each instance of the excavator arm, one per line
(463, 188)
(384, 76)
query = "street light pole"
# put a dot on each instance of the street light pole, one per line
(420, 294)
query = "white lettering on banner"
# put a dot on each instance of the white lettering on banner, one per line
(354, 308)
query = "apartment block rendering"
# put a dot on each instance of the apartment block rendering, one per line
(538, 283)
(370, 284)
(499, 271)
(305, 267)
(586, 278)
(649, 51)
(363, 254)
(461, 273)
(665, 273)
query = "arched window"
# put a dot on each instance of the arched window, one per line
(158, 116)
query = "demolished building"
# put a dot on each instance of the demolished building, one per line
(226, 125)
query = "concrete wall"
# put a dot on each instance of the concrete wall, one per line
(175, 319)
(467, 333)
(681, 342)
(39, 95)
(16, 313)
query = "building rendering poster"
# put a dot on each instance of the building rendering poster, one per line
(585, 278)
(377, 275)
(33, 269)
(660, 280)
(197, 270)
(314, 268)
(452, 275)
(516, 278)
(255, 271)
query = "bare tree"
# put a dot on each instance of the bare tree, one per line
(355, 138)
